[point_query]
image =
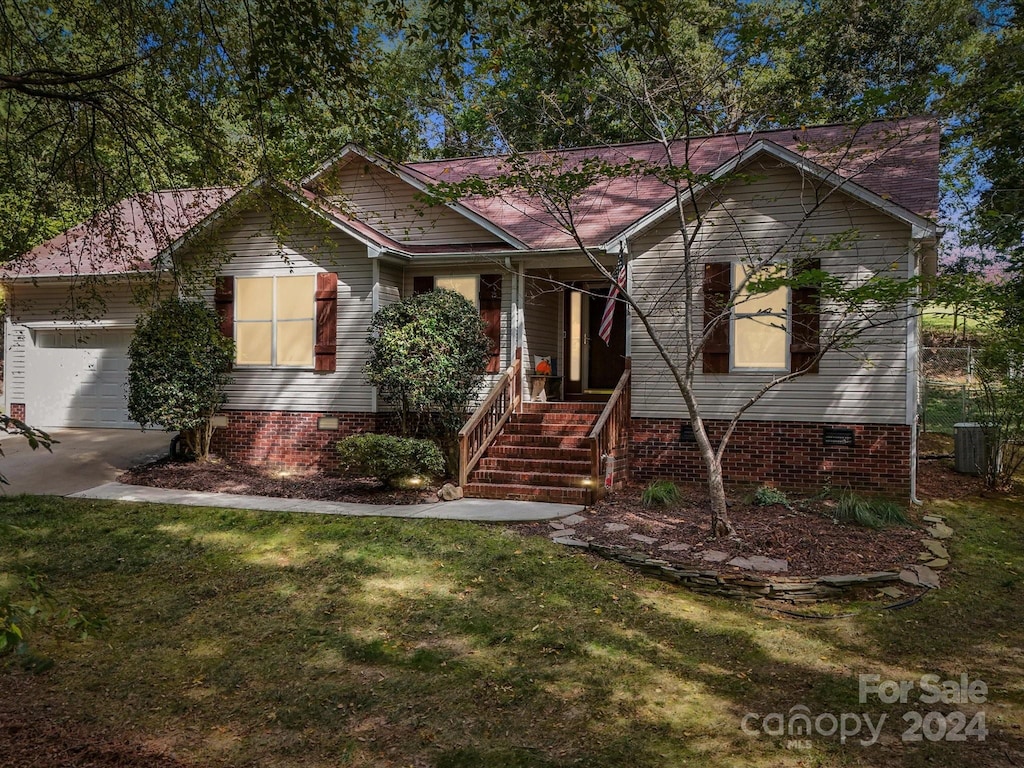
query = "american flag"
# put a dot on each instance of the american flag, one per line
(609, 305)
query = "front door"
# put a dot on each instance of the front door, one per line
(593, 366)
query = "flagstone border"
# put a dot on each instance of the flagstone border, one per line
(746, 585)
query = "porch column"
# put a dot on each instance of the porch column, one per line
(626, 261)
(518, 313)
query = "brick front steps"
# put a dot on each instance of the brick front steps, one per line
(541, 455)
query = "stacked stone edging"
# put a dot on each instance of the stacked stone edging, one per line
(746, 585)
(742, 584)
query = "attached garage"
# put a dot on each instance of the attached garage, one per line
(72, 303)
(77, 378)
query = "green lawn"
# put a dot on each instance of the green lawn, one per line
(939, 321)
(240, 639)
(947, 405)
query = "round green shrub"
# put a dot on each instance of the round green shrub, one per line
(390, 458)
(179, 362)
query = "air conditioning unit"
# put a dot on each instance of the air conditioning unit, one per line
(975, 447)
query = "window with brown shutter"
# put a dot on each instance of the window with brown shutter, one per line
(487, 293)
(490, 313)
(717, 288)
(803, 327)
(326, 348)
(805, 343)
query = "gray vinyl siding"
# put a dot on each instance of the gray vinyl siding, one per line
(389, 205)
(14, 365)
(391, 279)
(543, 322)
(309, 247)
(105, 300)
(867, 384)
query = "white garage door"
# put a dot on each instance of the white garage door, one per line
(78, 378)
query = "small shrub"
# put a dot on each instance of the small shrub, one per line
(390, 458)
(870, 513)
(661, 493)
(766, 496)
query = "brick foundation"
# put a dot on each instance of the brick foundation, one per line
(286, 439)
(790, 455)
(18, 411)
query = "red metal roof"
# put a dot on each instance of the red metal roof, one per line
(364, 230)
(123, 238)
(897, 160)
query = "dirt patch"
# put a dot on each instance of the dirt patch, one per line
(806, 536)
(936, 479)
(221, 477)
(36, 733)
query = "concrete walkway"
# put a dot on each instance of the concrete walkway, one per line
(483, 510)
(82, 458)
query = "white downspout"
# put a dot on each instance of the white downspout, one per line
(913, 369)
(374, 256)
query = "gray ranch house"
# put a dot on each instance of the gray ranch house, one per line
(578, 395)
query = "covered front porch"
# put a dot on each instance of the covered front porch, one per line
(574, 344)
(555, 425)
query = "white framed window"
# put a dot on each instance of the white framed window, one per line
(467, 285)
(275, 321)
(760, 322)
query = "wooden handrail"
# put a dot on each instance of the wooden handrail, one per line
(504, 399)
(608, 429)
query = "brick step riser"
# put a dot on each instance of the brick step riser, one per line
(541, 441)
(516, 464)
(571, 407)
(576, 419)
(563, 430)
(555, 455)
(528, 493)
(549, 479)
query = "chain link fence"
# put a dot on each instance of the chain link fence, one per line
(948, 394)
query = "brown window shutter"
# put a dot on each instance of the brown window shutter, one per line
(326, 350)
(224, 300)
(490, 313)
(805, 343)
(422, 284)
(717, 289)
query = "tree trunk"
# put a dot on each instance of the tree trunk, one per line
(197, 441)
(720, 523)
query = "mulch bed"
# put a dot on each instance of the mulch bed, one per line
(805, 536)
(221, 477)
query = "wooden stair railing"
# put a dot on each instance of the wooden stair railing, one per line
(608, 431)
(485, 424)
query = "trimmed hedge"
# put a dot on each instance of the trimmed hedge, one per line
(390, 458)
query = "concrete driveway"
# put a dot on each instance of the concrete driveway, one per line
(83, 459)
